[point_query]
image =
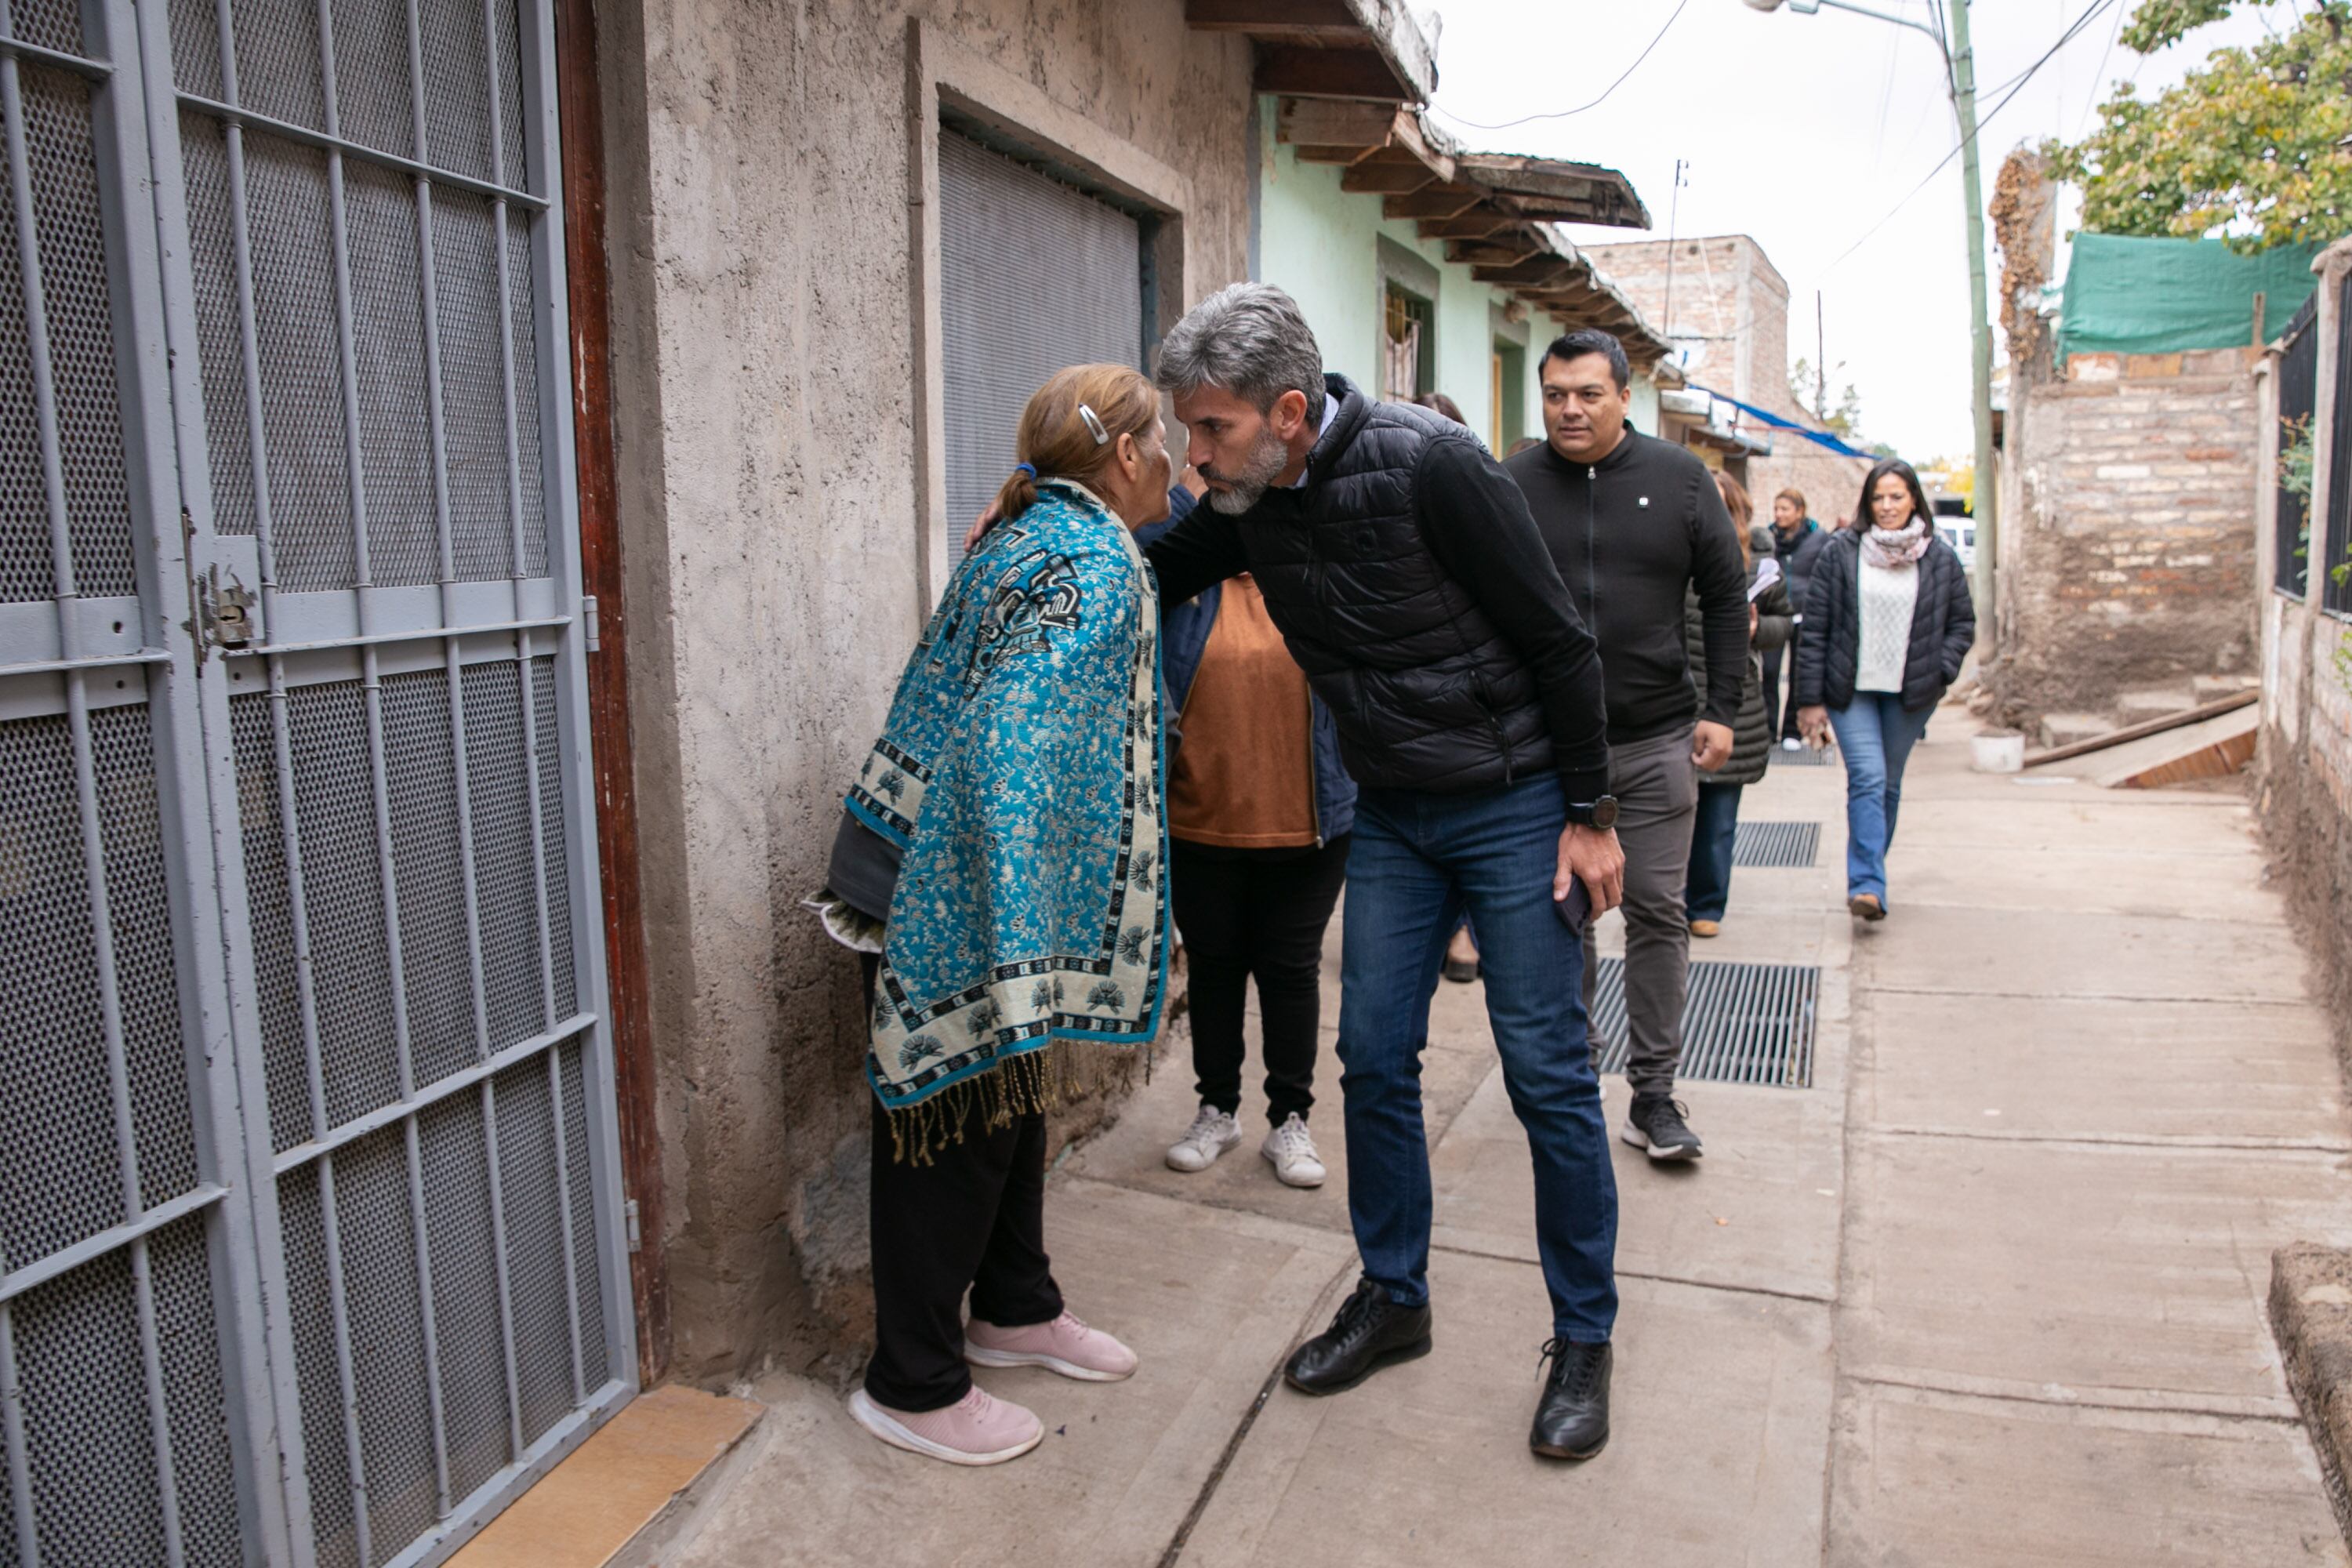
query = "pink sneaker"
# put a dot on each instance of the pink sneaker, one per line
(974, 1430)
(1064, 1345)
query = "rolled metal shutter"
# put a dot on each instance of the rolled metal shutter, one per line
(1033, 276)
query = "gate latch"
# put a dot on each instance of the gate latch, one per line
(229, 611)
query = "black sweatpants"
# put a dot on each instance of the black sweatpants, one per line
(1256, 913)
(971, 1219)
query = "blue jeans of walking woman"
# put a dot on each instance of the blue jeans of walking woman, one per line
(1876, 736)
(1419, 861)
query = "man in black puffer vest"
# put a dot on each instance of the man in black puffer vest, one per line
(1636, 524)
(1401, 565)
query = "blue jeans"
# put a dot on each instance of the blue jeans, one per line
(1708, 889)
(1876, 736)
(1419, 861)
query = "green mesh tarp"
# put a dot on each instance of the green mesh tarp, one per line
(2130, 295)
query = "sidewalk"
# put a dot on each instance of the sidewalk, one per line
(1990, 1291)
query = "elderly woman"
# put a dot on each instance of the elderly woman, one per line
(1887, 621)
(1001, 865)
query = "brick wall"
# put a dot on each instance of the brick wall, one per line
(2128, 559)
(1730, 310)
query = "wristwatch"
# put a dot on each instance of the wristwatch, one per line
(1601, 814)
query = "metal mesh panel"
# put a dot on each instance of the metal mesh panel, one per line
(195, 48)
(473, 393)
(86, 1420)
(301, 389)
(2335, 563)
(2298, 386)
(434, 959)
(1007, 322)
(509, 890)
(325, 1463)
(586, 1286)
(60, 1174)
(277, 61)
(52, 23)
(81, 361)
(344, 898)
(189, 1337)
(535, 1246)
(457, 129)
(465, 1290)
(371, 75)
(388, 327)
(550, 813)
(521, 288)
(380, 1291)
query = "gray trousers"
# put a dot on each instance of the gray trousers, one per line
(1656, 788)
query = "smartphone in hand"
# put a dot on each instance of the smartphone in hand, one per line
(1576, 908)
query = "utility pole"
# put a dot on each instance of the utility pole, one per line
(1820, 363)
(1673, 212)
(1983, 496)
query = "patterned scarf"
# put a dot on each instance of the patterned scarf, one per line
(1892, 547)
(1022, 772)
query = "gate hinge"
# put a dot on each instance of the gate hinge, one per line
(629, 1207)
(589, 624)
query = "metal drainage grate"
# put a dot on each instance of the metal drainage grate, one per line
(1778, 844)
(1745, 1023)
(1805, 757)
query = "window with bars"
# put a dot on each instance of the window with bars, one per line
(2297, 385)
(1410, 337)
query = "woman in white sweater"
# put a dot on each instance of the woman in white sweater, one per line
(1887, 621)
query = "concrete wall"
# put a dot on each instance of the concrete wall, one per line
(1730, 316)
(2128, 559)
(769, 423)
(1322, 245)
(2304, 765)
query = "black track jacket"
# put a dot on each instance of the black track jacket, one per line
(1629, 535)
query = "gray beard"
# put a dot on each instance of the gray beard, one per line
(1267, 459)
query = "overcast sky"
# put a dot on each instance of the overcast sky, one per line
(1805, 133)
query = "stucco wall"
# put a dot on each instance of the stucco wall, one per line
(2129, 560)
(761, 239)
(1322, 245)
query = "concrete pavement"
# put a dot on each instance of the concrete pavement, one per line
(1989, 1291)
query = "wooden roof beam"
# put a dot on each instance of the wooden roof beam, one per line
(1305, 72)
(1389, 171)
(1433, 201)
(1479, 223)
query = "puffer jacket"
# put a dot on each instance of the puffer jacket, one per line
(1751, 734)
(1829, 642)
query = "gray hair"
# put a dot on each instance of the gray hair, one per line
(1248, 339)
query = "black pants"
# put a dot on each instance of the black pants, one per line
(1247, 913)
(973, 1218)
(1772, 721)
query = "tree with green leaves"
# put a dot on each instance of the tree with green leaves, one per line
(2255, 145)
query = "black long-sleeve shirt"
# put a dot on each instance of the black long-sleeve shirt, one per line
(1630, 533)
(1477, 524)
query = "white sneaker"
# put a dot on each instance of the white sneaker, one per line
(1291, 1150)
(1791, 744)
(1212, 1133)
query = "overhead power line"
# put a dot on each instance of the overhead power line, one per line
(1564, 113)
(2015, 85)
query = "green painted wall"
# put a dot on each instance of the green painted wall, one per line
(1321, 244)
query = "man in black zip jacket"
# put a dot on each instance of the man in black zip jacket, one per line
(1401, 565)
(1633, 524)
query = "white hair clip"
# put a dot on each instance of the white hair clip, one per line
(1095, 425)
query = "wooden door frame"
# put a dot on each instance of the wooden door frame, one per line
(611, 746)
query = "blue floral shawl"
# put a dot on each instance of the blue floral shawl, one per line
(1021, 772)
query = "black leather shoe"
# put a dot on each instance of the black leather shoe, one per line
(1572, 1416)
(1368, 1334)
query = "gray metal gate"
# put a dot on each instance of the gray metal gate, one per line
(310, 1235)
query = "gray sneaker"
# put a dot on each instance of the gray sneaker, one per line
(1212, 1133)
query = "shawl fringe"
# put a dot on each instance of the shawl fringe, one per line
(1035, 1082)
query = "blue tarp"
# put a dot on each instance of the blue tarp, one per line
(1779, 421)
